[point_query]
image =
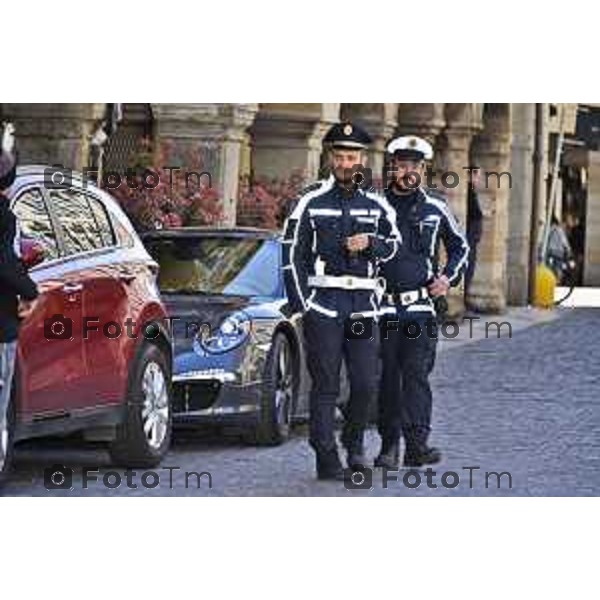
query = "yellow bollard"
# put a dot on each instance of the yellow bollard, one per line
(545, 286)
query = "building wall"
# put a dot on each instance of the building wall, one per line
(282, 140)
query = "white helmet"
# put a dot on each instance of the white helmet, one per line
(410, 147)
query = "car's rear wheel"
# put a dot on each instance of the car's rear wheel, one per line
(279, 393)
(145, 434)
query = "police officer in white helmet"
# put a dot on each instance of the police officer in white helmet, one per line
(408, 324)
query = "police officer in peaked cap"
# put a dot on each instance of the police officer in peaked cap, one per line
(334, 243)
(408, 323)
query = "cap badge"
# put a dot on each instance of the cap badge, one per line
(412, 142)
(348, 129)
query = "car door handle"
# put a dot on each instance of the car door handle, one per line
(72, 288)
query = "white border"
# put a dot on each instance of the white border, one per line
(329, 52)
(302, 52)
(299, 548)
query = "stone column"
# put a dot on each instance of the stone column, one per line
(462, 122)
(423, 120)
(287, 139)
(492, 152)
(380, 121)
(246, 156)
(451, 158)
(591, 269)
(451, 153)
(521, 203)
(54, 134)
(218, 132)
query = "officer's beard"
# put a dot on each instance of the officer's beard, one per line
(400, 190)
(342, 177)
(345, 182)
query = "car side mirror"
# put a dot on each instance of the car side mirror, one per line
(32, 252)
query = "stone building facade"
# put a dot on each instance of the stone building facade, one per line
(276, 140)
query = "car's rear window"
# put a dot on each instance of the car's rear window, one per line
(84, 221)
(217, 265)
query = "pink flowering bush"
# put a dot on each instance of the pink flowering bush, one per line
(168, 200)
(266, 203)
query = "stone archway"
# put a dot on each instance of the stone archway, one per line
(287, 139)
(424, 120)
(491, 150)
(54, 134)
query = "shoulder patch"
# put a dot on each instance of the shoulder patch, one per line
(313, 187)
(310, 192)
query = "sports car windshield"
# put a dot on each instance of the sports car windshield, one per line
(217, 265)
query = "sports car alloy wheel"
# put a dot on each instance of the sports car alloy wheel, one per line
(155, 410)
(278, 395)
(284, 391)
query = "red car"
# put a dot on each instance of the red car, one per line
(96, 353)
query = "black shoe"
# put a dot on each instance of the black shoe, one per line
(329, 466)
(422, 456)
(355, 453)
(357, 461)
(389, 456)
(387, 461)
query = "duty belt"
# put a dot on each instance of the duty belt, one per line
(345, 282)
(406, 298)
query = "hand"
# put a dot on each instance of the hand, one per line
(439, 286)
(8, 138)
(26, 307)
(46, 286)
(358, 242)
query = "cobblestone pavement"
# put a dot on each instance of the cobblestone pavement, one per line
(527, 405)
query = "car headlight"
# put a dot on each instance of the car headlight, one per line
(232, 332)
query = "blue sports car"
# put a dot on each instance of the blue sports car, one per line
(238, 358)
